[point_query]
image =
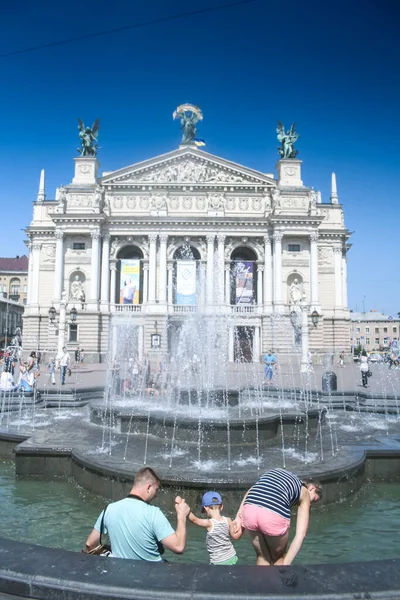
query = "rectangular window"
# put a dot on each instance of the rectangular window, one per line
(394, 329)
(377, 342)
(376, 329)
(358, 341)
(385, 330)
(78, 245)
(293, 247)
(367, 330)
(358, 329)
(367, 341)
(25, 289)
(73, 333)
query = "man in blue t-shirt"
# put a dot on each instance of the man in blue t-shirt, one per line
(269, 360)
(136, 528)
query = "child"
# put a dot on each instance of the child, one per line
(52, 370)
(219, 530)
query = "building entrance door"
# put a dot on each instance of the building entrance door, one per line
(243, 348)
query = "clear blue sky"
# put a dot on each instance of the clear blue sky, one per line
(331, 67)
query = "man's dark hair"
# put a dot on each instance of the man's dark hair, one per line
(146, 475)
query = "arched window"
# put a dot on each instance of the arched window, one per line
(129, 288)
(243, 276)
(186, 274)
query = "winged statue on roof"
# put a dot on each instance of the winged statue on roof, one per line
(89, 138)
(189, 116)
(287, 140)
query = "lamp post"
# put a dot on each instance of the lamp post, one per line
(62, 320)
(304, 329)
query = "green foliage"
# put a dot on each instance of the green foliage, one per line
(358, 349)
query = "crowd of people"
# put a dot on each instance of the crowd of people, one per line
(140, 531)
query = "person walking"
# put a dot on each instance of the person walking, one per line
(63, 362)
(52, 370)
(364, 368)
(82, 356)
(138, 530)
(219, 530)
(341, 359)
(265, 514)
(77, 355)
(269, 361)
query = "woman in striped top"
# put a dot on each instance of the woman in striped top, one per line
(265, 515)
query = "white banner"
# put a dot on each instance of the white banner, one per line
(186, 282)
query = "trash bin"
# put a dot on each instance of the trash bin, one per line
(329, 382)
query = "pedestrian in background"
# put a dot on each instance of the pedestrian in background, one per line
(52, 371)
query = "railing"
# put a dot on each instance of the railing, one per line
(184, 309)
(244, 308)
(128, 308)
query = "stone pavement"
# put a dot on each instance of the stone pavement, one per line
(384, 381)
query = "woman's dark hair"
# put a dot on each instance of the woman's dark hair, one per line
(32, 354)
(316, 484)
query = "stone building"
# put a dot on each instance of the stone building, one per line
(374, 330)
(182, 234)
(10, 320)
(14, 278)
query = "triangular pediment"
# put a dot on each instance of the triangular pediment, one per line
(187, 165)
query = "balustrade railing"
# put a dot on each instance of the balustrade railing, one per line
(128, 308)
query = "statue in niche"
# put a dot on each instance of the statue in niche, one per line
(62, 198)
(276, 198)
(287, 140)
(77, 292)
(313, 201)
(88, 138)
(98, 197)
(295, 292)
(189, 116)
(114, 246)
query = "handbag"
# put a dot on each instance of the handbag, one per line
(369, 373)
(101, 549)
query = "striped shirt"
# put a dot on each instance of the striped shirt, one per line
(278, 490)
(219, 545)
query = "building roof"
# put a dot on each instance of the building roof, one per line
(371, 316)
(19, 263)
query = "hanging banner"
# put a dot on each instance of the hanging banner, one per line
(129, 282)
(244, 282)
(186, 282)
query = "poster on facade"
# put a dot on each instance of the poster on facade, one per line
(129, 282)
(186, 282)
(244, 282)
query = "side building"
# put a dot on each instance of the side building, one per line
(181, 235)
(374, 330)
(14, 278)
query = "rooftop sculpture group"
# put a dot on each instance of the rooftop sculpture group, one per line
(189, 116)
(88, 138)
(287, 140)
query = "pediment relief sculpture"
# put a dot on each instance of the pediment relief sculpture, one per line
(186, 171)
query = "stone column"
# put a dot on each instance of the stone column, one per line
(29, 284)
(170, 284)
(105, 271)
(95, 271)
(163, 268)
(277, 237)
(145, 283)
(202, 290)
(228, 284)
(260, 270)
(35, 272)
(210, 268)
(221, 263)
(113, 268)
(268, 284)
(256, 345)
(152, 267)
(59, 265)
(337, 255)
(304, 364)
(61, 324)
(314, 268)
(344, 279)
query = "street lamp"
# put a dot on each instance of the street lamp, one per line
(302, 328)
(61, 324)
(315, 318)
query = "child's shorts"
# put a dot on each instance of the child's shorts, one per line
(230, 561)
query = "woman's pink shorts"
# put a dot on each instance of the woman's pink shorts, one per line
(256, 518)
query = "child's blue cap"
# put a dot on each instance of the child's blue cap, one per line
(211, 499)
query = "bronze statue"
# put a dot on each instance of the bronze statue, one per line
(189, 116)
(88, 137)
(286, 149)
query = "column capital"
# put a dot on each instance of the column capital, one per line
(95, 234)
(106, 237)
(59, 233)
(267, 238)
(210, 237)
(221, 238)
(277, 236)
(260, 267)
(337, 248)
(153, 238)
(36, 246)
(163, 238)
(228, 266)
(314, 236)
